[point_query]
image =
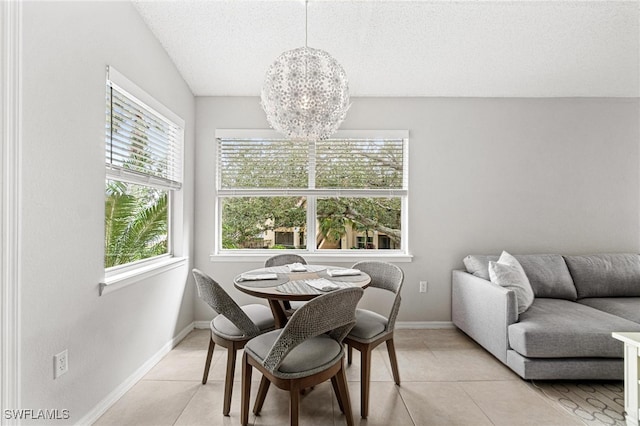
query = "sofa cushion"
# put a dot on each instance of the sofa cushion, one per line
(547, 273)
(507, 272)
(556, 328)
(478, 264)
(605, 275)
(624, 307)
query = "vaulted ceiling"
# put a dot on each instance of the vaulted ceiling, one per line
(409, 48)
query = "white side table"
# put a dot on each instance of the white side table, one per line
(631, 377)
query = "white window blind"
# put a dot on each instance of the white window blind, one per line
(262, 163)
(360, 164)
(339, 164)
(144, 140)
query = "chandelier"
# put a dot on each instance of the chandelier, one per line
(305, 93)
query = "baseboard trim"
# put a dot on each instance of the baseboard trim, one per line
(93, 415)
(204, 325)
(416, 325)
(426, 325)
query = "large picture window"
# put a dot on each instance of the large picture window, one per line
(143, 157)
(346, 193)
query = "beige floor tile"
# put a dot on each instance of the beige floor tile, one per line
(448, 339)
(218, 369)
(443, 366)
(149, 402)
(385, 406)
(436, 340)
(198, 338)
(183, 365)
(472, 364)
(205, 408)
(440, 404)
(380, 369)
(316, 407)
(515, 403)
(408, 339)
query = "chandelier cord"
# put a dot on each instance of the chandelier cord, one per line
(306, 22)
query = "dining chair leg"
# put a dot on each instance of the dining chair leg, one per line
(294, 403)
(365, 377)
(349, 354)
(246, 390)
(262, 394)
(207, 363)
(391, 349)
(341, 380)
(336, 390)
(228, 380)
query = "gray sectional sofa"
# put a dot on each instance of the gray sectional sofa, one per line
(566, 333)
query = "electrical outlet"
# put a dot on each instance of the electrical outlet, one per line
(423, 286)
(60, 364)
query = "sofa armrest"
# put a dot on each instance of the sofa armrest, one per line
(483, 310)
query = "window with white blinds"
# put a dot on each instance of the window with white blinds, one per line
(143, 158)
(347, 192)
(144, 140)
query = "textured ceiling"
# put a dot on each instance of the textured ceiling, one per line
(409, 48)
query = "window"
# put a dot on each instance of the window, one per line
(143, 157)
(345, 193)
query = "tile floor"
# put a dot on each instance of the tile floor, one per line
(447, 379)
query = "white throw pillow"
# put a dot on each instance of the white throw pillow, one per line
(507, 272)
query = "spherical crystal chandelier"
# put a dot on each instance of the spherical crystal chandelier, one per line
(305, 94)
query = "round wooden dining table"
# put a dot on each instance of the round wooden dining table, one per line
(280, 283)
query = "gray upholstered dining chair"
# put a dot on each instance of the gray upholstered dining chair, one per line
(281, 260)
(306, 352)
(284, 259)
(232, 328)
(372, 329)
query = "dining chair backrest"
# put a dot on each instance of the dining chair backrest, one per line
(333, 313)
(386, 276)
(284, 259)
(212, 293)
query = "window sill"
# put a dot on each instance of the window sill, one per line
(350, 257)
(120, 280)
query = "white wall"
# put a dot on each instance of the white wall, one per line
(66, 47)
(524, 175)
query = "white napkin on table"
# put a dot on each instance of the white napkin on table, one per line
(342, 272)
(322, 284)
(258, 277)
(297, 267)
